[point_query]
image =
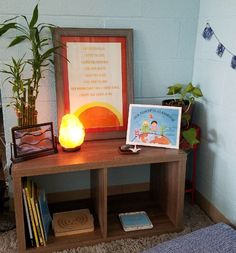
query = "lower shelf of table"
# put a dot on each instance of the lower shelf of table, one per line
(115, 205)
(133, 202)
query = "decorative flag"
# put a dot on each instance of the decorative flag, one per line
(233, 62)
(220, 50)
(207, 33)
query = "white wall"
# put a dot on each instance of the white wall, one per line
(164, 44)
(216, 175)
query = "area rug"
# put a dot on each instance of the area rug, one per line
(194, 218)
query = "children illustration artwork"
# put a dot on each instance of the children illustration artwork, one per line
(154, 125)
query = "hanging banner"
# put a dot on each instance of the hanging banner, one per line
(207, 35)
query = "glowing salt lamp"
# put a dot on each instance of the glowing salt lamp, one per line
(71, 133)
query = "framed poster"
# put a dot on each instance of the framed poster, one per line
(94, 78)
(154, 125)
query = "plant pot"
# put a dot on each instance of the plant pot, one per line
(187, 110)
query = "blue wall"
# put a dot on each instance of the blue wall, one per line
(164, 45)
(216, 174)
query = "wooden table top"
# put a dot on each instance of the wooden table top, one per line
(94, 155)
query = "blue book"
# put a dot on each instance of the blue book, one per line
(44, 212)
(135, 221)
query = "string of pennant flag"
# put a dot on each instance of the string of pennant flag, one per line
(207, 35)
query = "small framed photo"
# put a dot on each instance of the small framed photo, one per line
(33, 141)
(154, 125)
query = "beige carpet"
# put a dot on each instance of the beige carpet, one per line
(194, 218)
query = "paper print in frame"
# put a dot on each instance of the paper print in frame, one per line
(33, 141)
(154, 125)
(96, 81)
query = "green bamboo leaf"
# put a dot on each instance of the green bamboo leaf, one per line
(34, 17)
(7, 27)
(52, 61)
(10, 19)
(14, 89)
(5, 72)
(42, 26)
(25, 18)
(17, 40)
(49, 52)
(14, 61)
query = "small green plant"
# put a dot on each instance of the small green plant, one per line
(185, 96)
(184, 93)
(25, 89)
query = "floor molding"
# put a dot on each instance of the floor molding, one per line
(210, 209)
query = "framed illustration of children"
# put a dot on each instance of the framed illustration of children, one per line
(154, 125)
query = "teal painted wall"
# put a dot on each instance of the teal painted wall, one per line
(164, 45)
(216, 174)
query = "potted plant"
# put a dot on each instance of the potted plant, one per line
(185, 97)
(24, 74)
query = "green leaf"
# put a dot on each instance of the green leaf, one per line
(49, 52)
(34, 17)
(189, 88)
(14, 89)
(174, 89)
(7, 27)
(190, 136)
(37, 36)
(10, 19)
(42, 26)
(5, 72)
(25, 18)
(17, 40)
(197, 92)
(52, 61)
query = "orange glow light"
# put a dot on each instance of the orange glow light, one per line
(71, 133)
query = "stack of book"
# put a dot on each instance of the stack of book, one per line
(37, 213)
(73, 222)
(135, 221)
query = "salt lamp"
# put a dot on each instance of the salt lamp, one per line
(71, 133)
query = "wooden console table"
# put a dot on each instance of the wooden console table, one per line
(163, 203)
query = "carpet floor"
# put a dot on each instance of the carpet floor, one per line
(194, 218)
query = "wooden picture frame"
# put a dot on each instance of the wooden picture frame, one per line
(94, 78)
(154, 125)
(32, 141)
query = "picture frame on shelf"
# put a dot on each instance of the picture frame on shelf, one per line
(154, 125)
(32, 141)
(94, 78)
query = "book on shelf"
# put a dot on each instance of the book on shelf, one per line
(27, 190)
(44, 213)
(38, 217)
(73, 222)
(132, 221)
(28, 218)
(36, 220)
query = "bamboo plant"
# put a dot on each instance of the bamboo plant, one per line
(25, 88)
